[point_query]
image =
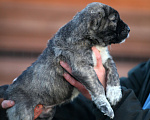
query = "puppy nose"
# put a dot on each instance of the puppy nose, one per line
(128, 29)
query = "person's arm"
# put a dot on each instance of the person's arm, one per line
(139, 81)
(129, 108)
(136, 88)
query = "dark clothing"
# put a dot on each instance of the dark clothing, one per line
(135, 89)
(139, 81)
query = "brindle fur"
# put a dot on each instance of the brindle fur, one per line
(43, 82)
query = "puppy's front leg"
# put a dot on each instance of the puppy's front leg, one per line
(87, 76)
(113, 89)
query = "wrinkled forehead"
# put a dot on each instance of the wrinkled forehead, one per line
(105, 10)
(95, 7)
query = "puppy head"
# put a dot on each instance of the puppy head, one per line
(104, 24)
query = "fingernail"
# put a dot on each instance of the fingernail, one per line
(12, 102)
(93, 47)
(61, 62)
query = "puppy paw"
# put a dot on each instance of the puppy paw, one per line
(107, 110)
(104, 106)
(113, 94)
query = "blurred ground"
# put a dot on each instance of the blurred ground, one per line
(27, 25)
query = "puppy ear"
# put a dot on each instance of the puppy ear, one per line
(94, 24)
(112, 17)
(95, 21)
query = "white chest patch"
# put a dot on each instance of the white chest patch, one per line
(104, 54)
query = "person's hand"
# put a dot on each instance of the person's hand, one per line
(74, 82)
(99, 69)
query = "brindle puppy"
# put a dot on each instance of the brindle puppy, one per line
(42, 83)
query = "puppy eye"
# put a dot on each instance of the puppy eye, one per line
(112, 17)
(114, 20)
(100, 15)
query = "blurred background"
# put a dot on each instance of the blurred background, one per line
(27, 25)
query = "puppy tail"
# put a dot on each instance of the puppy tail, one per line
(2, 90)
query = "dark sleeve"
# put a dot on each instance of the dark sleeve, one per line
(139, 81)
(135, 89)
(79, 109)
(129, 108)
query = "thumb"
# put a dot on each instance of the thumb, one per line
(98, 57)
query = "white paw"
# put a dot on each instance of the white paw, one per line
(113, 94)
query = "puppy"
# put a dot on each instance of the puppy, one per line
(42, 83)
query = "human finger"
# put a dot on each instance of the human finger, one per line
(78, 85)
(72, 81)
(38, 110)
(98, 56)
(99, 68)
(7, 104)
(66, 66)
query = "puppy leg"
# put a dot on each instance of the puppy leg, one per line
(87, 76)
(113, 89)
(20, 112)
